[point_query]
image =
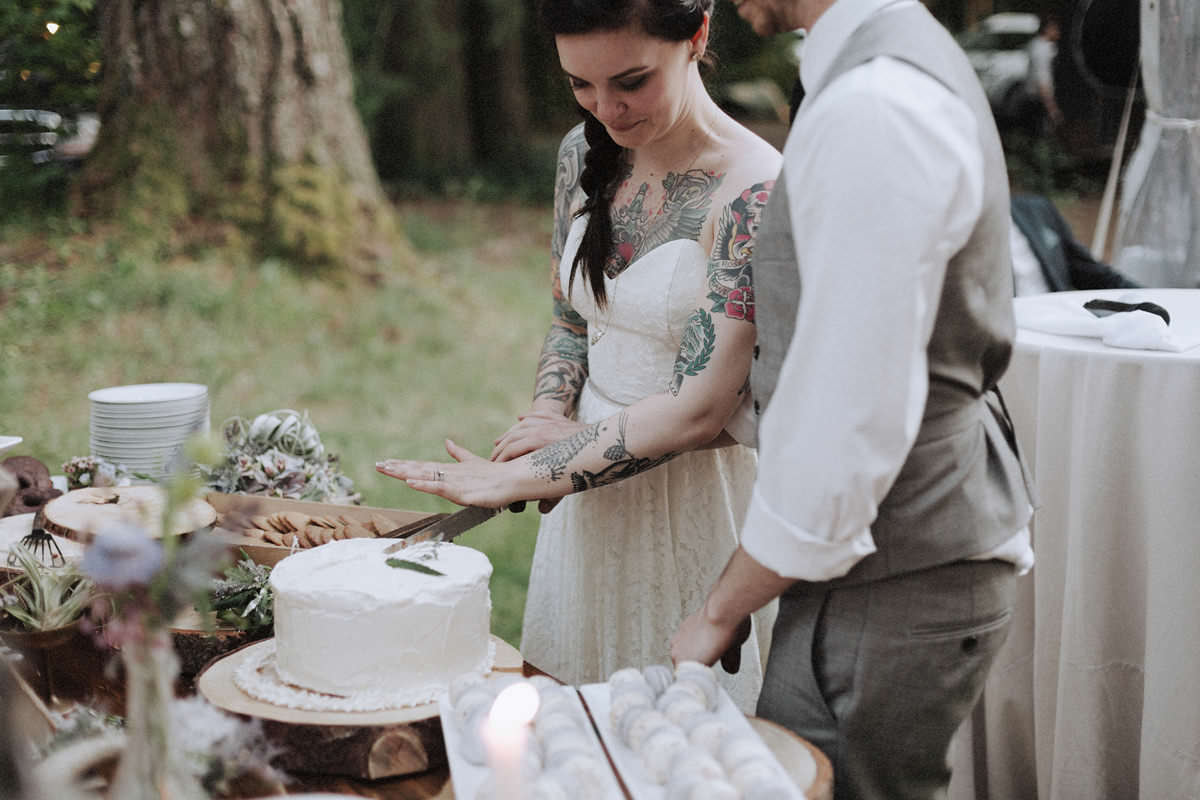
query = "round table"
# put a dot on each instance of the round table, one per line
(1097, 685)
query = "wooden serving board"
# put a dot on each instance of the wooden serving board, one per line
(361, 744)
(236, 513)
(82, 513)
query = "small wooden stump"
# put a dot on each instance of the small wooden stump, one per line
(359, 744)
(372, 752)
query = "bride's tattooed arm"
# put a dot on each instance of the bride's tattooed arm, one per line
(563, 368)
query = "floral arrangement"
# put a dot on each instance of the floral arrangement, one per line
(144, 583)
(226, 753)
(184, 749)
(85, 471)
(279, 454)
(243, 598)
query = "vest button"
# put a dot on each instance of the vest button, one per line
(755, 352)
(756, 410)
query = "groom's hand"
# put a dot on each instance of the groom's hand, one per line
(731, 661)
(700, 639)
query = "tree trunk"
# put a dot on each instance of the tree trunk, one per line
(499, 108)
(420, 133)
(240, 112)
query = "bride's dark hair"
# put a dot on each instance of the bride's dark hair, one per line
(671, 20)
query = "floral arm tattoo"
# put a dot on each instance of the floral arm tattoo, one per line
(553, 460)
(624, 464)
(730, 287)
(562, 368)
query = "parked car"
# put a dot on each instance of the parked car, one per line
(997, 49)
(45, 136)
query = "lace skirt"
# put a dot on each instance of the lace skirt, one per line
(617, 568)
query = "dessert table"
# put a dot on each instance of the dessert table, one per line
(80, 677)
(1095, 693)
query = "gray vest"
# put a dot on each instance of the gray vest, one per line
(962, 490)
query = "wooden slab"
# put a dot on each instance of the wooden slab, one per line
(798, 756)
(198, 641)
(236, 513)
(366, 744)
(82, 513)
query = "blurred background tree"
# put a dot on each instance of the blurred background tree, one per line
(243, 115)
(236, 113)
(49, 60)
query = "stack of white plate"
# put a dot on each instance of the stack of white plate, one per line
(145, 426)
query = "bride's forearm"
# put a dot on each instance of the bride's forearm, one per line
(628, 443)
(562, 370)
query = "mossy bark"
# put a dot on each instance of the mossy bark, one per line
(238, 111)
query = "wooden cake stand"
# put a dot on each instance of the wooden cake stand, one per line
(361, 744)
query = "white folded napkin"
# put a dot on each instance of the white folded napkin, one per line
(1137, 330)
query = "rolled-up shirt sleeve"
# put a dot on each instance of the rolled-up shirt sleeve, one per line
(885, 182)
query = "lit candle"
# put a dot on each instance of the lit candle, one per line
(505, 735)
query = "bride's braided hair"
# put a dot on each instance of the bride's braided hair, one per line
(671, 20)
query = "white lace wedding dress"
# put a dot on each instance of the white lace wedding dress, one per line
(617, 568)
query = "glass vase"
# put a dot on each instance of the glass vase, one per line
(146, 771)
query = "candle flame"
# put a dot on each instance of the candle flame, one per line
(515, 705)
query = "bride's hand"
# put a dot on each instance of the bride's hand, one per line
(534, 430)
(472, 481)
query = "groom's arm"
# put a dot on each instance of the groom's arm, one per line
(744, 587)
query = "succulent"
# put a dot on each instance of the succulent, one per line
(43, 598)
(279, 454)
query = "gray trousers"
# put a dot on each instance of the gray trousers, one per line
(879, 675)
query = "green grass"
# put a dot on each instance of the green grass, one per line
(386, 366)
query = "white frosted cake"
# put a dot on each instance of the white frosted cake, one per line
(347, 622)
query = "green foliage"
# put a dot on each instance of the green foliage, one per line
(243, 598)
(39, 70)
(1044, 165)
(404, 563)
(61, 72)
(58, 71)
(386, 367)
(31, 190)
(741, 55)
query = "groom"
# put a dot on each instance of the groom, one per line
(890, 509)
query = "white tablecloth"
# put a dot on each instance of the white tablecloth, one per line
(1097, 692)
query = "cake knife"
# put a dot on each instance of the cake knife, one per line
(446, 528)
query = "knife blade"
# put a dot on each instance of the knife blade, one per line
(447, 528)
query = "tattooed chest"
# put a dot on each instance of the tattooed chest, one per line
(648, 219)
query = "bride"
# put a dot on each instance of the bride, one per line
(657, 201)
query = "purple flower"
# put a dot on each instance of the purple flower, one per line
(121, 558)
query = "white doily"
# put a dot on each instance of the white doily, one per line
(257, 677)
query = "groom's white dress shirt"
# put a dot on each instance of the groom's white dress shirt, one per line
(874, 228)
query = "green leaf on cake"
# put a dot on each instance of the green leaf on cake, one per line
(404, 563)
